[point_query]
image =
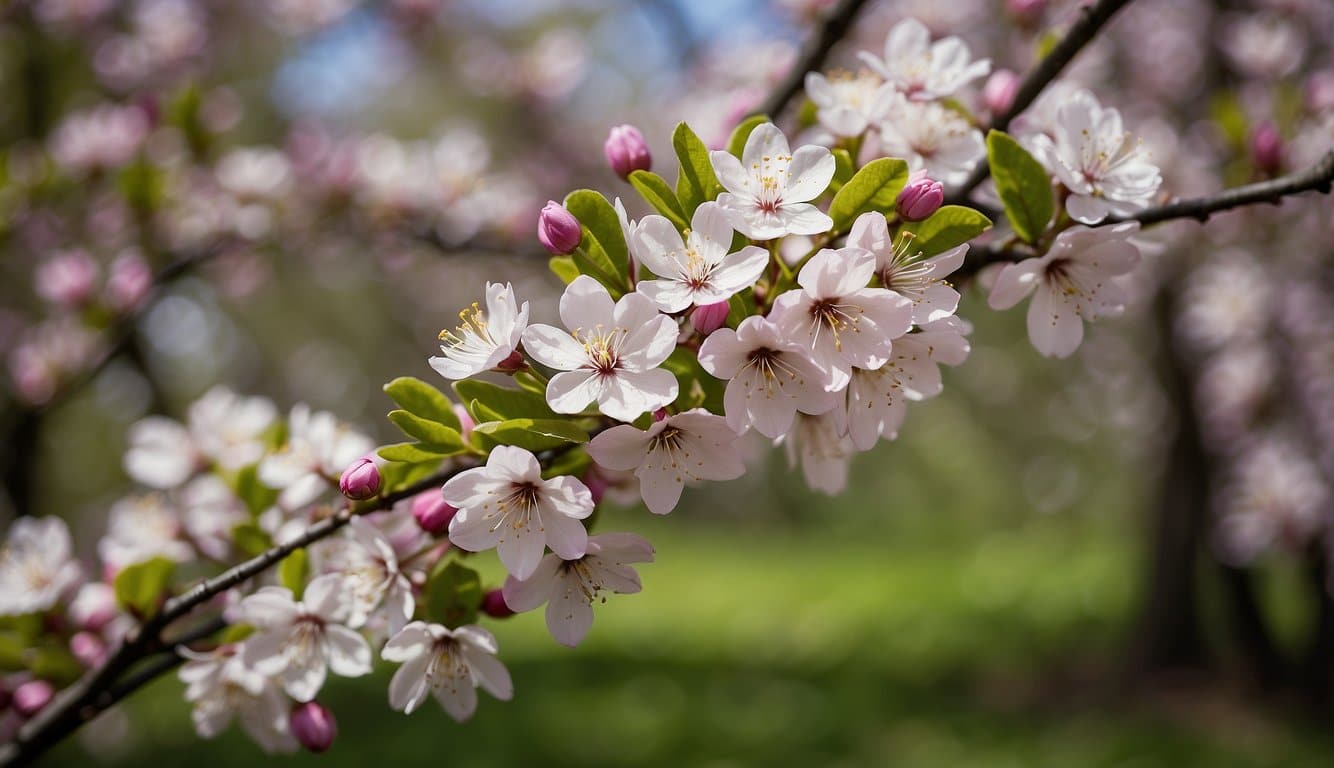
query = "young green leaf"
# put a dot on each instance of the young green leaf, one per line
(696, 182)
(603, 228)
(140, 587)
(250, 539)
(564, 268)
(293, 570)
(503, 402)
(421, 399)
(416, 453)
(844, 168)
(875, 187)
(949, 226)
(424, 430)
(737, 143)
(1023, 185)
(533, 434)
(453, 593)
(655, 191)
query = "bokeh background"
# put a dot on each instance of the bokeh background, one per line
(1032, 574)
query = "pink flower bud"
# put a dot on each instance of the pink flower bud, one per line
(313, 725)
(921, 198)
(597, 483)
(514, 362)
(660, 415)
(128, 282)
(494, 605)
(67, 279)
(998, 93)
(465, 421)
(558, 229)
(361, 480)
(32, 696)
(627, 151)
(1026, 11)
(88, 649)
(709, 317)
(1267, 149)
(432, 512)
(94, 606)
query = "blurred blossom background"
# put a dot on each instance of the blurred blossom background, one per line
(1118, 559)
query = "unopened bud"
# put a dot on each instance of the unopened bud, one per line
(432, 512)
(31, 697)
(494, 605)
(313, 725)
(660, 415)
(67, 279)
(361, 480)
(128, 282)
(998, 94)
(465, 421)
(627, 151)
(558, 229)
(514, 362)
(94, 606)
(921, 198)
(1267, 149)
(709, 317)
(88, 649)
(1026, 11)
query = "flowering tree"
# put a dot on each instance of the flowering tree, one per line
(805, 294)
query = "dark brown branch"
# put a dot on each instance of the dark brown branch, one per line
(1317, 178)
(834, 27)
(1091, 20)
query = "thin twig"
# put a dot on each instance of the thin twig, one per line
(1317, 178)
(817, 49)
(1091, 21)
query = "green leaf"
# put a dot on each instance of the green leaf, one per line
(453, 594)
(395, 475)
(655, 191)
(421, 399)
(292, 572)
(417, 453)
(698, 388)
(250, 539)
(875, 187)
(591, 260)
(737, 143)
(530, 383)
(503, 402)
(246, 485)
(1023, 185)
(425, 430)
(740, 306)
(564, 268)
(140, 587)
(696, 182)
(844, 168)
(533, 434)
(604, 242)
(948, 227)
(572, 463)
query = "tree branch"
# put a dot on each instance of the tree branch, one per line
(1091, 21)
(813, 56)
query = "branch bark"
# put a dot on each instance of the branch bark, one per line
(834, 27)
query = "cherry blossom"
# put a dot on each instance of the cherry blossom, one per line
(838, 319)
(209, 513)
(904, 271)
(688, 447)
(141, 528)
(372, 578)
(1073, 282)
(319, 447)
(1090, 152)
(37, 566)
(299, 642)
(610, 355)
(447, 663)
(847, 104)
(932, 138)
(483, 339)
(223, 689)
(770, 188)
(507, 505)
(221, 427)
(923, 70)
(769, 378)
(698, 270)
(821, 446)
(569, 587)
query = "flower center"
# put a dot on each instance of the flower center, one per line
(522, 500)
(772, 367)
(828, 313)
(602, 347)
(472, 330)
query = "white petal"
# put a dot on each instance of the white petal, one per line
(572, 391)
(349, 653)
(809, 174)
(553, 347)
(1015, 282)
(408, 688)
(1054, 325)
(622, 447)
(585, 304)
(569, 614)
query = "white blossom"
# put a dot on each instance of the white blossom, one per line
(300, 642)
(698, 270)
(140, 528)
(372, 579)
(687, 447)
(222, 689)
(36, 565)
(934, 139)
(847, 104)
(1105, 169)
(508, 505)
(609, 356)
(769, 378)
(209, 512)
(570, 587)
(319, 447)
(221, 427)
(483, 339)
(837, 319)
(903, 270)
(449, 664)
(824, 450)
(923, 70)
(770, 188)
(1072, 282)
